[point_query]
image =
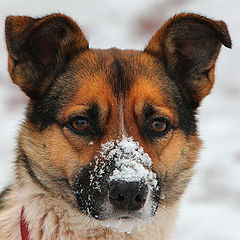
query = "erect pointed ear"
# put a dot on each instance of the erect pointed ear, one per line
(39, 49)
(189, 44)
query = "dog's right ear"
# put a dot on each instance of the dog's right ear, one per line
(39, 49)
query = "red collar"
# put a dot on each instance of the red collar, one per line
(24, 227)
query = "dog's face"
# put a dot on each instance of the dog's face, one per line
(112, 132)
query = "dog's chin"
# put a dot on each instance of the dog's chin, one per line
(123, 224)
(126, 222)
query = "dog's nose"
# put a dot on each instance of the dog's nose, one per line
(128, 195)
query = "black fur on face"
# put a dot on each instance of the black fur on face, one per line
(91, 191)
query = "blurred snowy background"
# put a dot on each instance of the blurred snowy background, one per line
(210, 210)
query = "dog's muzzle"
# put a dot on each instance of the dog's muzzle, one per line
(119, 183)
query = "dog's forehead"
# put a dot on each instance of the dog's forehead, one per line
(109, 76)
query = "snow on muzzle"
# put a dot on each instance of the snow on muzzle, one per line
(132, 177)
(119, 180)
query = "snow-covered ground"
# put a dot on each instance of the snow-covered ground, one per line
(210, 209)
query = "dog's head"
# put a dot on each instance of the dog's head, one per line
(112, 132)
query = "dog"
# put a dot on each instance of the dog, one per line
(110, 138)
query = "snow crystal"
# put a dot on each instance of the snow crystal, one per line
(91, 143)
(162, 196)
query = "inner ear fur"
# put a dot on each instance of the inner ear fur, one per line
(39, 48)
(189, 44)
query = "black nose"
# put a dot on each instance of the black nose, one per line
(128, 195)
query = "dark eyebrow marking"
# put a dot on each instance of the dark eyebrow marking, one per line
(93, 111)
(148, 110)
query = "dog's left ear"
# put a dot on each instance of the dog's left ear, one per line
(189, 44)
(40, 48)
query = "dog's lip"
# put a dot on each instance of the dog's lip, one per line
(125, 217)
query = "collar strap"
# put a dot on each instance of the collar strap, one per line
(24, 227)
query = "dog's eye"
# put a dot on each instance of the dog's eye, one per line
(78, 124)
(160, 126)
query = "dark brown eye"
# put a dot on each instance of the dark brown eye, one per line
(160, 125)
(78, 124)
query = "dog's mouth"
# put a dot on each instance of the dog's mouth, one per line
(125, 218)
